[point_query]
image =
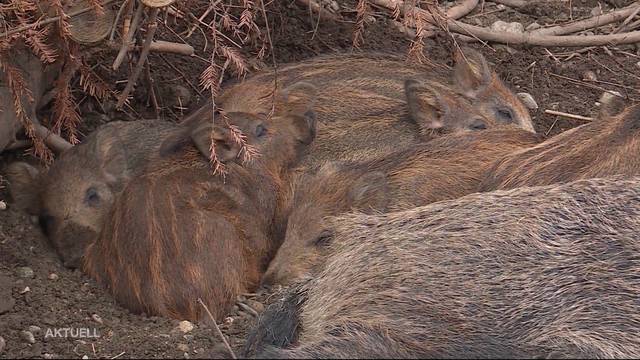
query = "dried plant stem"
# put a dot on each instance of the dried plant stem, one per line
(171, 47)
(54, 141)
(527, 38)
(589, 23)
(128, 4)
(151, 30)
(273, 57)
(567, 115)
(224, 340)
(512, 3)
(50, 20)
(126, 40)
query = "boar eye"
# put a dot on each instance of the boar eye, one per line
(323, 239)
(478, 124)
(261, 130)
(91, 197)
(505, 115)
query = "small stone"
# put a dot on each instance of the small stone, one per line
(97, 318)
(28, 337)
(183, 347)
(185, 326)
(528, 100)
(34, 329)
(85, 357)
(2, 344)
(47, 356)
(25, 272)
(3, 205)
(53, 276)
(589, 76)
(533, 26)
(228, 320)
(513, 27)
(25, 290)
(258, 307)
(638, 64)
(501, 7)
(186, 356)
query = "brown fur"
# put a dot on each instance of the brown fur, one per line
(607, 146)
(532, 272)
(442, 169)
(362, 106)
(178, 233)
(73, 197)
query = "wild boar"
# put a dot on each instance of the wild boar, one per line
(73, 197)
(442, 169)
(609, 145)
(177, 233)
(541, 272)
(363, 110)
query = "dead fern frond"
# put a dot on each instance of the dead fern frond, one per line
(93, 84)
(20, 92)
(362, 11)
(63, 22)
(36, 39)
(235, 58)
(65, 114)
(97, 6)
(416, 51)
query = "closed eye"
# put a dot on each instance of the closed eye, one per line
(505, 115)
(324, 239)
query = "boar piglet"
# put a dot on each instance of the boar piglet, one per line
(367, 108)
(445, 168)
(73, 197)
(542, 272)
(609, 145)
(178, 233)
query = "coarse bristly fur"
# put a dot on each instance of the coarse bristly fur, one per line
(608, 145)
(177, 233)
(72, 198)
(442, 169)
(530, 272)
(371, 104)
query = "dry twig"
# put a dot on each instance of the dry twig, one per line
(151, 30)
(567, 115)
(224, 340)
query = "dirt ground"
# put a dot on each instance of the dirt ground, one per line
(38, 295)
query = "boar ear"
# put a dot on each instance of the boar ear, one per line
(226, 147)
(370, 193)
(426, 106)
(111, 155)
(611, 104)
(471, 73)
(23, 185)
(296, 102)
